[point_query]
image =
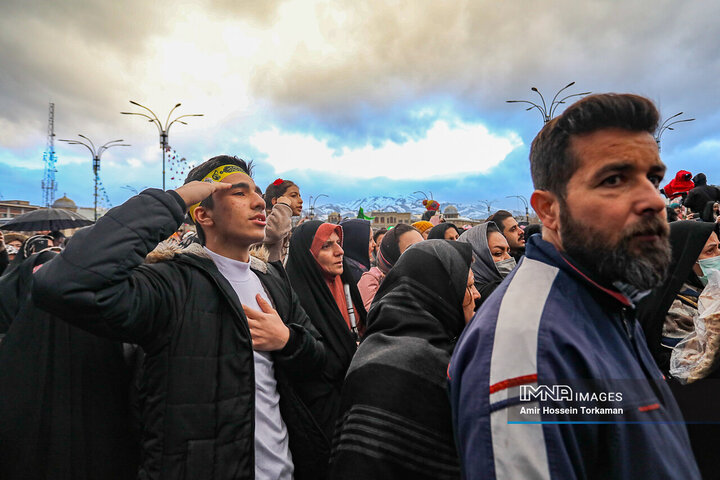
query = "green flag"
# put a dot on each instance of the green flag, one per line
(362, 215)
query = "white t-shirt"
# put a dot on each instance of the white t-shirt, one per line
(273, 460)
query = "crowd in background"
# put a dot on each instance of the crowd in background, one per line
(196, 333)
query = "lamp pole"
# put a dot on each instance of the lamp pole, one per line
(667, 125)
(525, 202)
(96, 154)
(312, 205)
(488, 204)
(162, 130)
(548, 111)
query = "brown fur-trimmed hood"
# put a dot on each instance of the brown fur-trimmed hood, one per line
(166, 250)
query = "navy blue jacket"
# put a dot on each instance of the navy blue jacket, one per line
(553, 379)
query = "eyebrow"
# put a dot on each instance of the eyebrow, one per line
(625, 167)
(240, 185)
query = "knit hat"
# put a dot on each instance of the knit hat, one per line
(431, 205)
(423, 225)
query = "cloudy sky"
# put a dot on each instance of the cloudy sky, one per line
(346, 98)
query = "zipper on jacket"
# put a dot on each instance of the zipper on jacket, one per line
(626, 324)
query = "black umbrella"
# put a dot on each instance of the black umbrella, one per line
(46, 219)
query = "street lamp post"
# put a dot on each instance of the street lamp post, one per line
(96, 154)
(525, 202)
(667, 125)
(548, 112)
(162, 130)
(312, 205)
(487, 204)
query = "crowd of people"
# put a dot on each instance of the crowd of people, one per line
(197, 334)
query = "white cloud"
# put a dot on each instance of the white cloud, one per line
(447, 149)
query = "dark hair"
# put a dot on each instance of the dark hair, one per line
(199, 172)
(532, 229)
(492, 227)
(671, 214)
(499, 217)
(378, 232)
(428, 214)
(552, 162)
(273, 191)
(401, 228)
(438, 231)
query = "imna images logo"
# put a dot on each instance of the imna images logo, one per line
(543, 393)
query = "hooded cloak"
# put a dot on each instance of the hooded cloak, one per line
(310, 284)
(679, 185)
(396, 419)
(697, 401)
(64, 394)
(356, 244)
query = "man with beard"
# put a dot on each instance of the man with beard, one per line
(553, 378)
(511, 231)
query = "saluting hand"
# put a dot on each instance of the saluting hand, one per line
(195, 191)
(267, 329)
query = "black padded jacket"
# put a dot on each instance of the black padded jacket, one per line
(198, 376)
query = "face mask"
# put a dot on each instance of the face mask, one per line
(707, 264)
(505, 266)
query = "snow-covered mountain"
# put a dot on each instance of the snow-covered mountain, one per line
(400, 204)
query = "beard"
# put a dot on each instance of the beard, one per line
(642, 264)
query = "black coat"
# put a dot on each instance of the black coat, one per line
(322, 396)
(64, 394)
(4, 261)
(198, 380)
(698, 197)
(395, 417)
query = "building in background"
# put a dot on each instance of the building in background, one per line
(451, 214)
(13, 208)
(387, 219)
(65, 203)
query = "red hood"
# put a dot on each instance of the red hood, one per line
(678, 185)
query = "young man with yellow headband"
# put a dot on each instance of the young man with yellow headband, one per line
(224, 334)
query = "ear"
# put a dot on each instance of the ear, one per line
(203, 217)
(273, 201)
(547, 207)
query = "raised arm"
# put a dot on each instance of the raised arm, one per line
(97, 283)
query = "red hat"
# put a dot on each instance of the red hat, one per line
(431, 205)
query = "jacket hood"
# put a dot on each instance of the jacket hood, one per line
(700, 179)
(167, 250)
(679, 184)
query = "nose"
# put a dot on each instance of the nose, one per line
(648, 199)
(339, 250)
(258, 202)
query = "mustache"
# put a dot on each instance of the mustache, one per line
(648, 226)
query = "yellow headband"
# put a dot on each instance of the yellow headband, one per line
(215, 176)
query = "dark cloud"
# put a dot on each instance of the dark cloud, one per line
(397, 56)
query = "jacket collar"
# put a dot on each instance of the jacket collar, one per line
(543, 251)
(168, 250)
